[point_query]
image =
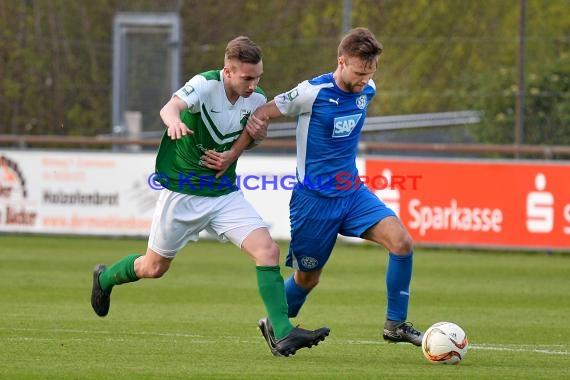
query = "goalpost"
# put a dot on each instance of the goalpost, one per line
(146, 69)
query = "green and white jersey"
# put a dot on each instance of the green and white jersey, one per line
(216, 124)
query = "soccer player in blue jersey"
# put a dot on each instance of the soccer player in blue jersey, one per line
(329, 198)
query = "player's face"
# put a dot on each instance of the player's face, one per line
(243, 78)
(355, 73)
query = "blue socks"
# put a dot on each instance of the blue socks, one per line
(398, 278)
(296, 296)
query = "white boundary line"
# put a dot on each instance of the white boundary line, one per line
(557, 349)
(539, 349)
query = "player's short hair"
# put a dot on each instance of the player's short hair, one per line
(244, 50)
(360, 43)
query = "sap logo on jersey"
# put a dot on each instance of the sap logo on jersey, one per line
(343, 126)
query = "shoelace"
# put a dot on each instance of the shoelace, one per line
(408, 328)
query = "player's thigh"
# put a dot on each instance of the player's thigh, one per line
(390, 233)
(370, 219)
(315, 224)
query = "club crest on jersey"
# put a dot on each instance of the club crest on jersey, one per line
(361, 102)
(291, 95)
(244, 116)
(343, 126)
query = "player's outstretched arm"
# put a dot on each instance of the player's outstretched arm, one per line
(170, 115)
(257, 124)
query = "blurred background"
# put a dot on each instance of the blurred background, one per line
(472, 102)
(486, 71)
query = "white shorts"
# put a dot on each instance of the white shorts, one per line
(179, 218)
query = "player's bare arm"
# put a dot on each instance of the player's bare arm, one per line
(257, 124)
(256, 127)
(255, 131)
(170, 115)
(221, 161)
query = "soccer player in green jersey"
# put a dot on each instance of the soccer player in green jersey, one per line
(209, 113)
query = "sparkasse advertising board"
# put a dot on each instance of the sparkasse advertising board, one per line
(478, 203)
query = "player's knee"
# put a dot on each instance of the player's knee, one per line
(261, 247)
(309, 283)
(403, 246)
(266, 253)
(307, 280)
(271, 253)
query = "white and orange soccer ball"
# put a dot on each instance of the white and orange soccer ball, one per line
(445, 343)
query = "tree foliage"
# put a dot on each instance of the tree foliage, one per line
(439, 55)
(547, 83)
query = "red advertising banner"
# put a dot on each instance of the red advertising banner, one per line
(477, 203)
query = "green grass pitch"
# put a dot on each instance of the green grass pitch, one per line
(199, 321)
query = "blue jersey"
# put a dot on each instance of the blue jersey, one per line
(329, 123)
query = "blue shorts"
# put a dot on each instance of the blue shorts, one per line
(317, 221)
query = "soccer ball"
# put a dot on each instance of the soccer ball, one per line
(444, 343)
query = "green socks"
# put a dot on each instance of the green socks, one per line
(269, 283)
(272, 291)
(119, 273)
